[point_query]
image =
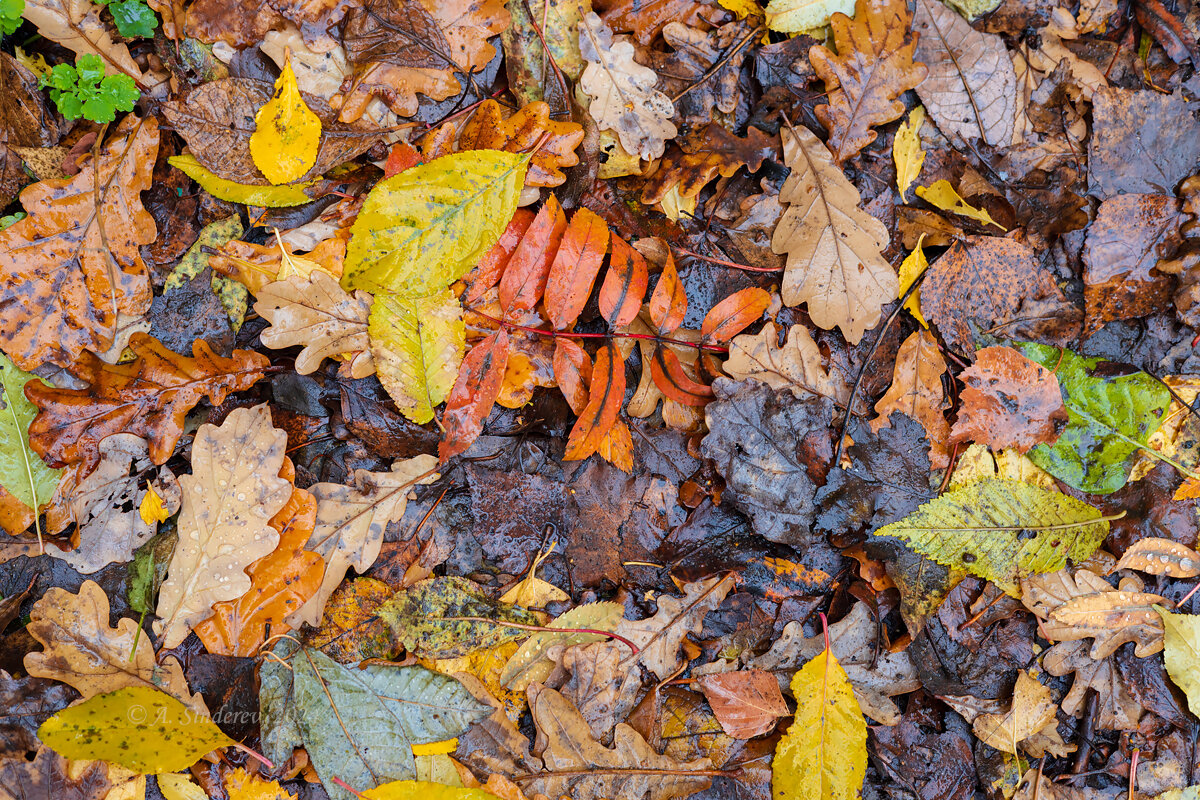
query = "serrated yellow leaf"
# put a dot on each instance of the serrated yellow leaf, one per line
(287, 132)
(823, 756)
(794, 16)
(913, 266)
(243, 785)
(942, 195)
(152, 509)
(139, 728)
(417, 344)
(268, 196)
(179, 787)
(424, 790)
(1181, 653)
(423, 229)
(906, 150)
(1002, 530)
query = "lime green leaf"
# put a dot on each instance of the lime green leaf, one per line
(424, 790)
(1181, 653)
(530, 662)
(287, 132)
(233, 295)
(140, 728)
(1001, 530)
(22, 471)
(823, 756)
(795, 16)
(417, 344)
(269, 196)
(423, 229)
(1109, 420)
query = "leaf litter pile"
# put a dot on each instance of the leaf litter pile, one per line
(626, 399)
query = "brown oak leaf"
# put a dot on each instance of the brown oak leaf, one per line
(916, 391)
(704, 71)
(712, 151)
(47, 776)
(645, 19)
(1009, 401)
(320, 315)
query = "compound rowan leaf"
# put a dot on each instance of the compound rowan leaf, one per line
(149, 396)
(474, 393)
(417, 345)
(524, 279)
(668, 302)
(1009, 401)
(873, 66)
(669, 376)
(421, 230)
(23, 474)
(1001, 530)
(494, 262)
(916, 391)
(624, 286)
(605, 396)
(732, 315)
(287, 132)
(72, 266)
(575, 267)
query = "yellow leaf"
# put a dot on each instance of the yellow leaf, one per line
(823, 756)
(913, 267)
(179, 787)
(675, 206)
(1181, 653)
(417, 344)
(152, 509)
(287, 132)
(438, 768)
(743, 8)
(435, 748)
(242, 785)
(942, 195)
(794, 16)
(906, 150)
(139, 728)
(424, 790)
(269, 196)
(531, 591)
(421, 230)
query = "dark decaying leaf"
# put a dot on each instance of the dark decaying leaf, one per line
(1009, 401)
(1143, 141)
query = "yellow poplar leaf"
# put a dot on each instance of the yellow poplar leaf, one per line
(435, 748)
(139, 728)
(243, 785)
(268, 196)
(913, 267)
(152, 509)
(823, 756)
(438, 768)
(907, 152)
(287, 132)
(942, 195)
(417, 344)
(794, 16)
(179, 787)
(675, 206)
(424, 790)
(1181, 653)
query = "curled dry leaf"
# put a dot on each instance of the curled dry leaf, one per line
(1031, 711)
(318, 314)
(916, 391)
(1009, 401)
(1161, 557)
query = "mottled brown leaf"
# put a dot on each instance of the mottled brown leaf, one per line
(746, 703)
(714, 151)
(1009, 401)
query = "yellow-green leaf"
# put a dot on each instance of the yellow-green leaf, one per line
(424, 790)
(942, 195)
(287, 132)
(907, 152)
(1001, 530)
(794, 16)
(423, 229)
(140, 728)
(417, 344)
(913, 266)
(269, 196)
(530, 663)
(1181, 653)
(179, 787)
(823, 756)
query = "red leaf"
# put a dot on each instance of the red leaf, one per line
(670, 378)
(402, 156)
(572, 373)
(668, 304)
(746, 703)
(731, 316)
(625, 284)
(604, 402)
(489, 269)
(575, 267)
(474, 393)
(525, 278)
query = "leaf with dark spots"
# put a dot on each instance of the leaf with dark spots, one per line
(605, 396)
(1009, 401)
(370, 415)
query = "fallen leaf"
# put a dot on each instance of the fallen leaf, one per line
(747, 703)
(941, 194)
(796, 365)
(46, 777)
(524, 279)
(1142, 142)
(426, 790)
(243, 785)
(801, 16)
(661, 636)
(1009, 401)
(77, 26)
(474, 393)
(287, 133)
(1032, 710)
(1085, 606)
(916, 391)
(28, 702)
(23, 474)
(318, 314)
(624, 286)
(1161, 557)
(530, 664)
(290, 194)
(599, 417)
(1181, 653)
(718, 152)
(417, 346)
(1117, 709)
(908, 156)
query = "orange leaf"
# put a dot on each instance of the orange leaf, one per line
(617, 447)
(402, 156)
(746, 703)
(625, 284)
(1009, 401)
(474, 394)
(149, 396)
(604, 402)
(730, 316)
(489, 269)
(1188, 490)
(572, 373)
(575, 267)
(672, 381)
(668, 303)
(524, 278)
(488, 130)
(916, 390)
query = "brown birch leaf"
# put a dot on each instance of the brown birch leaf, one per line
(747, 703)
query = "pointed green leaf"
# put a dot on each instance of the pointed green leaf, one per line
(417, 344)
(22, 471)
(1181, 653)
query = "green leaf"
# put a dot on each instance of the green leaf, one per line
(428, 618)
(530, 663)
(147, 570)
(1109, 420)
(79, 90)
(417, 344)
(22, 471)
(424, 790)
(10, 15)
(140, 728)
(358, 725)
(134, 19)
(1001, 530)
(423, 229)
(234, 296)
(291, 194)
(1181, 653)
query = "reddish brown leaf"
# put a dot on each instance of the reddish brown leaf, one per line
(474, 393)
(489, 269)
(646, 18)
(668, 303)
(604, 402)
(575, 267)
(572, 373)
(746, 703)
(402, 156)
(672, 381)
(1009, 401)
(717, 151)
(524, 279)
(730, 317)
(149, 396)
(625, 284)
(917, 391)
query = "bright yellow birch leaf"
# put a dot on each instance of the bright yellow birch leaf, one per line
(152, 509)
(1181, 653)
(267, 196)
(287, 132)
(942, 195)
(907, 152)
(139, 728)
(243, 785)
(913, 267)
(823, 756)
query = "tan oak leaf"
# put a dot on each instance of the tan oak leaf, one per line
(916, 390)
(795, 365)
(320, 315)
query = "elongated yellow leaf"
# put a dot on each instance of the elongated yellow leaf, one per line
(270, 196)
(1002, 530)
(907, 152)
(179, 787)
(942, 195)
(421, 230)
(913, 266)
(823, 756)
(795, 16)
(1181, 653)
(424, 790)
(287, 133)
(417, 344)
(140, 728)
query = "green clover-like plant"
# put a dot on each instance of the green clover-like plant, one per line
(133, 18)
(84, 90)
(10, 15)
